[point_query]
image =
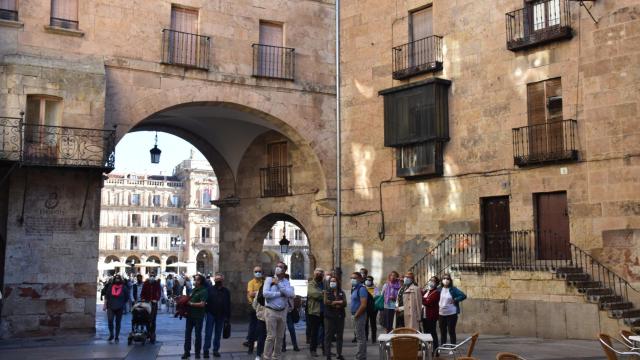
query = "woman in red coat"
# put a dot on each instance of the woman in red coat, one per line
(430, 302)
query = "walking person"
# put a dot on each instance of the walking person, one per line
(277, 290)
(152, 292)
(136, 289)
(253, 286)
(411, 302)
(372, 313)
(430, 302)
(334, 303)
(116, 297)
(218, 313)
(390, 291)
(261, 327)
(359, 296)
(196, 314)
(315, 308)
(449, 308)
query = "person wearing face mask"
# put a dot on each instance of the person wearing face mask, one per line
(253, 286)
(390, 291)
(372, 313)
(151, 292)
(449, 308)
(116, 297)
(315, 308)
(277, 291)
(359, 297)
(197, 304)
(430, 307)
(136, 289)
(334, 301)
(218, 312)
(410, 302)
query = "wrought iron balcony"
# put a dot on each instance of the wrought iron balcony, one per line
(417, 57)
(6, 14)
(64, 23)
(275, 181)
(274, 62)
(548, 142)
(185, 49)
(539, 22)
(43, 145)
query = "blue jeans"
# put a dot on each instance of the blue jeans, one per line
(261, 336)
(216, 322)
(292, 331)
(253, 324)
(190, 326)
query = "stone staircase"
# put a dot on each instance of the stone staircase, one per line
(608, 299)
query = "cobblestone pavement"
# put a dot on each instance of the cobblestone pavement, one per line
(170, 342)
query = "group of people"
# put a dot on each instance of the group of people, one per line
(275, 308)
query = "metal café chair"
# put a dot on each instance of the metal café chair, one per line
(509, 356)
(405, 330)
(454, 349)
(612, 353)
(625, 335)
(405, 347)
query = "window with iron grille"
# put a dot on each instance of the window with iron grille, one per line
(416, 124)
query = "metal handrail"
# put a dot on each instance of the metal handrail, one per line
(416, 57)
(276, 62)
(275, 181)
(185, 49)
(547, 142)
(525, 29)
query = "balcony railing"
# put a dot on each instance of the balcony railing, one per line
(6, 14)
(203, 241)
(548, 142)
(64, 23)
(274, 62)
(275, 181)
(417, 57)
(537, 23)
(185, 49)
(44, 145)
(144, 182)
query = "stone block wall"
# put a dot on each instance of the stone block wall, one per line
(531, 304)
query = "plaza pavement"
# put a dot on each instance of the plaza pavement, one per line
(170, 342)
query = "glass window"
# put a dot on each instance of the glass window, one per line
(154, 242)
(133, 243)
(135, 199)
(135, 220)
(8, 10)
(206, 233)
(206, 198)
(157, 201)
(116, 242)
(174, 200)
(64, 13)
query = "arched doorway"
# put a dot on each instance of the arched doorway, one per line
(204, 262)
(156, 269)
(172, 260)
(109, 270)
(131, 263)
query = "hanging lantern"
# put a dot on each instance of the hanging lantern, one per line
(155, 152)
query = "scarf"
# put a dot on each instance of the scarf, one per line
(116, 290)
(391, 291)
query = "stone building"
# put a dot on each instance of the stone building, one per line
(161, 219)
(493, 139)
(250, 84)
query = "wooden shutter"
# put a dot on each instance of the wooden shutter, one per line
(555, 126)
(185, 20)
(8, 5)
(277, 154)
(270, 33)
(536, 103)
(64, 9)
(421, 24)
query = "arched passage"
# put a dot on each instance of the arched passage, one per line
(204, 262)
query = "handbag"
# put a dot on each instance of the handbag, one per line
(379, 302)
(226, 330)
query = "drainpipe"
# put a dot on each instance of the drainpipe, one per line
(338, 242)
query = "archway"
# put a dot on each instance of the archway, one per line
(155, 269)
(172, 260)
(132, 264)
(204, 262)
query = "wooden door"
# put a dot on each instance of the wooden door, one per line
(183, 42)
(552, 218)
(420, 28)
(270, 56)
(277, 170)
(496, 228)
(544, 109)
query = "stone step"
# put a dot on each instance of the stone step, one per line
(634, 321)
(617, 306)
(582, 284)
(601, 300)
(568, 270)
(576, 277)
(600, 291)
(624, 314)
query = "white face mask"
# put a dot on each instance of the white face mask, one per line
(432, 285)
(446, 282)
(333, 285)
(354, 282)
(368, 282)
(407, 281)
(278, 271)
(257, 274)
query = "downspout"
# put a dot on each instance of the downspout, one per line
(338, 242)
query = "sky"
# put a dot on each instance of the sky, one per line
(132, 153)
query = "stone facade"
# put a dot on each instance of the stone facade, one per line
(598, 68)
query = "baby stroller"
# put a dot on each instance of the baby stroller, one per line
(141, 324)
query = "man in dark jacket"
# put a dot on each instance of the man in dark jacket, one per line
(218, 312)
(151, 292)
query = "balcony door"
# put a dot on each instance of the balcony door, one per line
(545, 14)
(271, 59)
(42, 131)
(420, 28)
(277, 162)
(496, 228)
(552, 224)
(544, 108)
(183, 44)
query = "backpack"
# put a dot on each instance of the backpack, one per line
(182, 306)
(371, 304)
(260, 295)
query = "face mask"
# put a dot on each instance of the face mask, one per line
(152, 279)
(446, 282)
(354, 282)
(333, 285)
(218, 282)
(432, 285)
(368, 282)
(257, 274)
(407, 281)
(278, 270)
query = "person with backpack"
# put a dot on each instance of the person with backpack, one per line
(315, 309)
(261, 327)
(253, 286)
(372, 312)
(410, 302)
(358, 309)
